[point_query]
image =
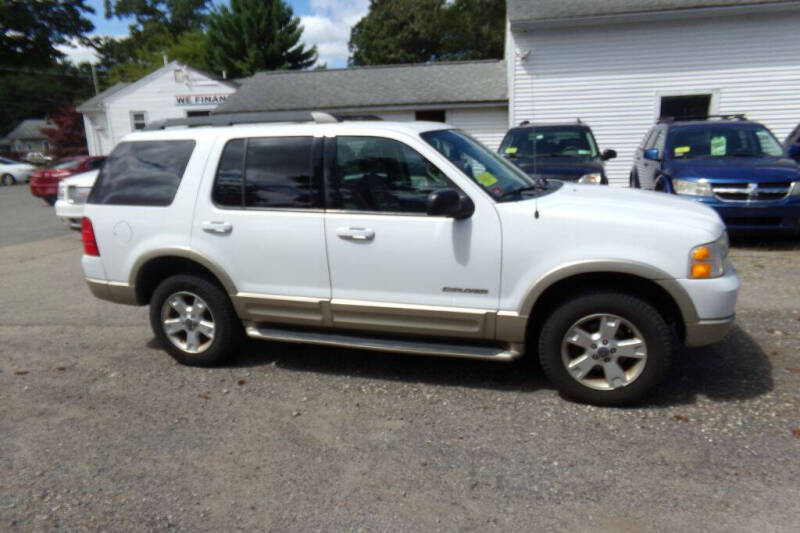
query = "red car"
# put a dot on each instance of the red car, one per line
(44, 183)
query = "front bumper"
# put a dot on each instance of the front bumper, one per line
(714, 302)
(71, 214)
(778, 216)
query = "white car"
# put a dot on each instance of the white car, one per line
(13, 172)
(400, 237)
(72, 194)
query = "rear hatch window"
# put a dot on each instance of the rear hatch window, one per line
(142, 173)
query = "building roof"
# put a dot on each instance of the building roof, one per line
(541, 10)
(30, 129)
(371, 87)
(95, 102)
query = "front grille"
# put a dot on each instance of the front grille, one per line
(752, 221)
(751, 192)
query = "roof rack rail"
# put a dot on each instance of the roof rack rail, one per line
(524, 122)
(738, 116)
(230, 119)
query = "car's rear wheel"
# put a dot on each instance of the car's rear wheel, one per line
(7, 179)
(605, 348)
(194, 320)
(50, 200)
(634, 181)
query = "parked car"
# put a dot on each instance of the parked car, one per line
(729, 163)
(44, 183)
(72, 195)
(400, 237)
(38, 158)
(792, 144)
(13, 172)
(566, 152)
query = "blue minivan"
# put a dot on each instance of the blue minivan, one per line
(729, 163)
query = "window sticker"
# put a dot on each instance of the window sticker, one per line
(486, 179)
(719, 145)
(511, 150)
(681, 150)
(583, 151)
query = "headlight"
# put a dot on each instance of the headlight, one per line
(708, 260)
(62, 191)
(596, 179)
(692, 188)
(796, 189)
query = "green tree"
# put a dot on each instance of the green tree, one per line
(412, 31)
(176, 16)
(162, 27)
(256, 35)
(34, 79)
(30, 31)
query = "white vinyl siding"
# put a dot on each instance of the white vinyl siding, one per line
(488, 125)
(612, 75)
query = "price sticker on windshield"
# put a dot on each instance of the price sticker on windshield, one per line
(511, 150)
(682, 150)
(486, 179)
(719, 145)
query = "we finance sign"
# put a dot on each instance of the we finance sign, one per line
(200, 99)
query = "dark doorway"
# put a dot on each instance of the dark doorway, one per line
(433, 115)
(681, 107)
(190, 114)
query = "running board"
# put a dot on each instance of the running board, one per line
(381, 344)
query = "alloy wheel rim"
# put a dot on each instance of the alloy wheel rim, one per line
(188, 322)
(604, 352)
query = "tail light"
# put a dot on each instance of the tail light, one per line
(89, 242)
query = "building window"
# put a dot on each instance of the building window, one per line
(685, 106)
(180, 76)
(432, 115)
(138, 120)
(190, 114)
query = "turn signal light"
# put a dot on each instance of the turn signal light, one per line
(89, 242)
(701, 254)
(701, 270)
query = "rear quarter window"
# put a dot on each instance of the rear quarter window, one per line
(142, 173)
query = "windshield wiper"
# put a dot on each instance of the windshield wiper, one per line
(746, 154)
(540, 185)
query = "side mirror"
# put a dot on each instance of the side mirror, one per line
(608, 154)
(450, 203)
(652, 154)
(794, 151)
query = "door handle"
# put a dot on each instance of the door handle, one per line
(216, 226)
(355, 234)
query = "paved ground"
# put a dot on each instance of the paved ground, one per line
(24, 218)
(100, 430)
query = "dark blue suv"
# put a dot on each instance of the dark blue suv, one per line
(565, 152)
(729, 163)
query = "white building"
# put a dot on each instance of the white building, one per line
(619, 65)
(173, 91)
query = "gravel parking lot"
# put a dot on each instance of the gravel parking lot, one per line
(100, 430)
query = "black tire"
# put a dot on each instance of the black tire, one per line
(634, 181)
(7, 180)
(639, 313)
(50, 200)
(228, 332)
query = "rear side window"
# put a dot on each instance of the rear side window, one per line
(267, 172)
(142, 173)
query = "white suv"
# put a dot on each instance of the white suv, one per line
(400, 237)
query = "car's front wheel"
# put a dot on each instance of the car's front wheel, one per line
(194, 320)
(7, 179)
(605, 348)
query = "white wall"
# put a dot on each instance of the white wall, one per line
(487, 124)
(157, 98)
(612, 76)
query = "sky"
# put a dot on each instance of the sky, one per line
(327, 24)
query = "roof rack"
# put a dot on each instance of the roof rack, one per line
(230, 119)
(739, 116)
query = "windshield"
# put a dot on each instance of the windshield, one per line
(723, 141)
(5, 161)
(496, 175)
(550, 141)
